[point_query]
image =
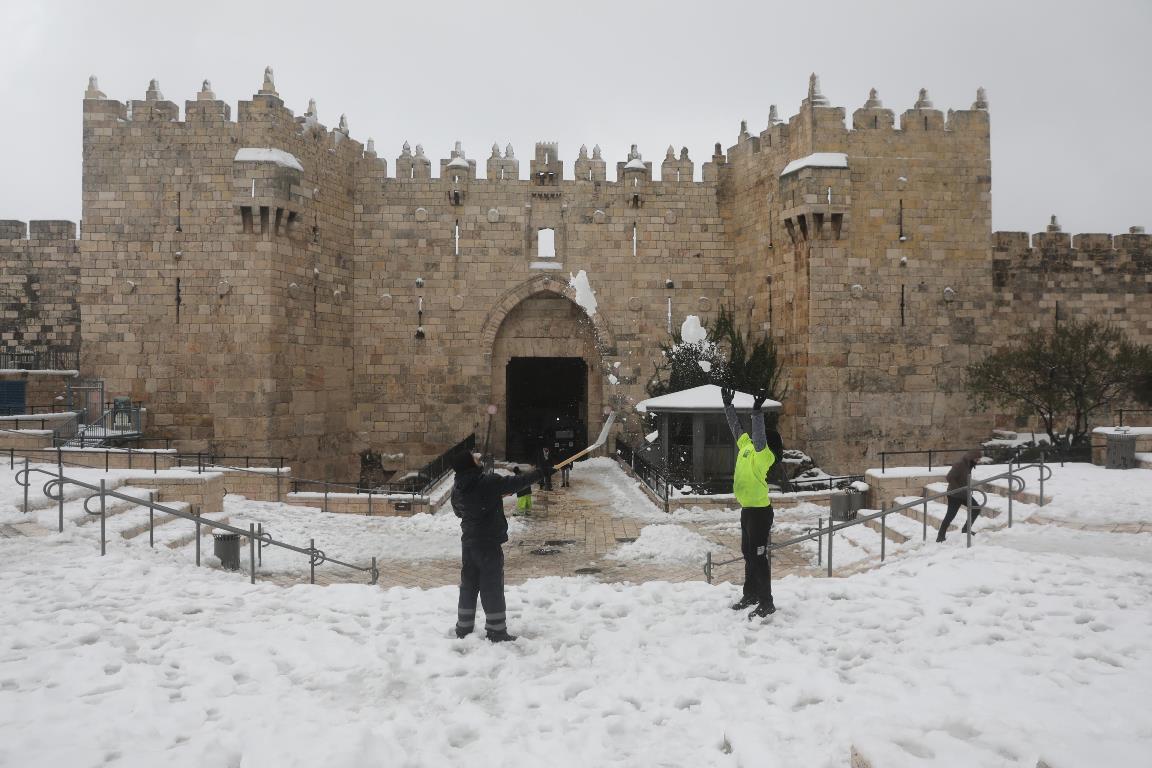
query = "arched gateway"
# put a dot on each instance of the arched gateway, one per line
(547, 367)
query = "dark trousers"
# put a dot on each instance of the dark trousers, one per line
(546, 482)
(755, 533)
(954, 504)
(481, 574)
(565, 471)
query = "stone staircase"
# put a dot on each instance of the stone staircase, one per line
(125, 522)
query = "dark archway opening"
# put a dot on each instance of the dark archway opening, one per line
(547, 405)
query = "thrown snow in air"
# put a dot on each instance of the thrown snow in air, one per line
(691, 332)
(705, 366)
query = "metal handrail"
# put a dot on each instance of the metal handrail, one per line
(1016, 484)
(930, 451)
(56, 486)
(1123, 411)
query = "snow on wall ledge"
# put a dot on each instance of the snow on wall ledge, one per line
(268, 155)
(585, 296)
(817, 160)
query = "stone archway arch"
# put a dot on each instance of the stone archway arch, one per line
(540, 318)
(605, 340)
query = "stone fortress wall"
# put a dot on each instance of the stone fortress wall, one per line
(266, 285)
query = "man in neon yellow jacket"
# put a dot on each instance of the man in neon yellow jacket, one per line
(750, 484)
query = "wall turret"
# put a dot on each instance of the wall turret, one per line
(590, 168)
(546, 169)
(503, 168)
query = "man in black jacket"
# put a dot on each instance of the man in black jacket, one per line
(477, 499)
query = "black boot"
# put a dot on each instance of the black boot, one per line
(500, 636)
(462, 633)
(762, 610)
(743, 603)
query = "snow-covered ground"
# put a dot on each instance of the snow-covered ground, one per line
(1031, 645)
(1086, 494)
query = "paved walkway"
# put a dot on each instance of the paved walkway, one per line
(568, 533)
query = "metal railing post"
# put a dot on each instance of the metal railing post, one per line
(929, 460)
(11, 458)
(325, 498)
(369, 502)
(27, 482)
(924, 520)
(819, 541)
(103, 536)
(151, 521)
(155, 464)
(968, 512)
(883, 529)
(260, 550)
(1041, 478)
(60, 473)
(1011, 492)
(883, 462)
(252, 551)
(829, 547)
(196, 511)
(708, 566)
(312, 561)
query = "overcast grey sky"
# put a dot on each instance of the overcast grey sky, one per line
(1068, 82)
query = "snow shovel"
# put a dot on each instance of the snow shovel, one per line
(600, 440)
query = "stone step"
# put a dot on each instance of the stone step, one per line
(184, 533)
(889, 533)
(135, 523)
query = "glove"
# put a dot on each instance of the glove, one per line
(761, 396)
(726, 394)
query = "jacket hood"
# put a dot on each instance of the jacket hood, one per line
(466, 479)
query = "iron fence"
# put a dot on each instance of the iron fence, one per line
(648, 473)
(1120, 414)
(45, 360)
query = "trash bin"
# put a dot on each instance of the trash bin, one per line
(842, 510)
(227, 547)
(855, 501)
(1121, 451)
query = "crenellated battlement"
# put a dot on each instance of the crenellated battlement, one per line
(1088, 248)
(50, 230)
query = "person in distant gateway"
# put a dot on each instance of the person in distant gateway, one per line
(750, 484)
(477, 499)
(547, 461)
(959, 476)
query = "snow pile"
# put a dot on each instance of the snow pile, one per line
(664, 544)
(585, 296)
(692, 332)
